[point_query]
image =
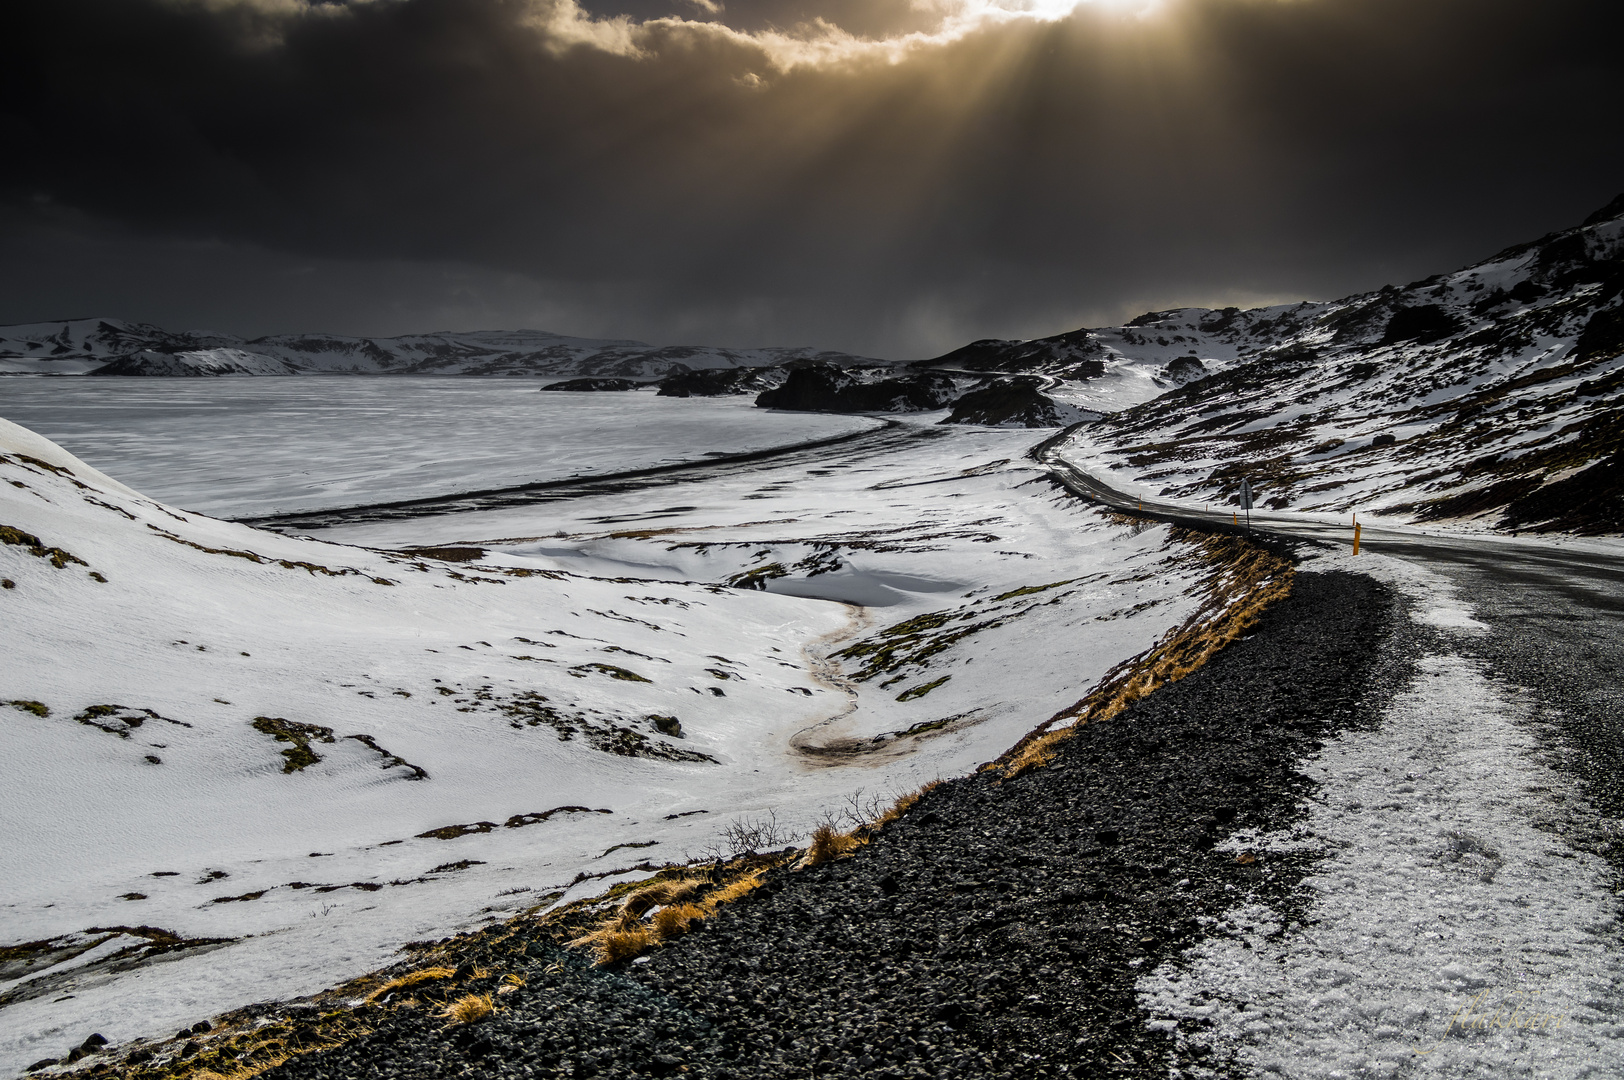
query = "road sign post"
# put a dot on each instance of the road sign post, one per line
(1246, 502)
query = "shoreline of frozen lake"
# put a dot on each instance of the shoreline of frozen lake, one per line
(257, 447)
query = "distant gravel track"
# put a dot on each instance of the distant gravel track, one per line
(996, 930)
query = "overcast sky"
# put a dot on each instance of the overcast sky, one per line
(882, 176)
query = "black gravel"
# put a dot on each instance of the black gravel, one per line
(994, 931)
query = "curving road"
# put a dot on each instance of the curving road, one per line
(1556, 615)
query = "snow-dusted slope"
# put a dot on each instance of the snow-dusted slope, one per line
(1492, 395)
(115, 347)
(236, 765)
(77, 346)
(1111, 368)
(198, 362)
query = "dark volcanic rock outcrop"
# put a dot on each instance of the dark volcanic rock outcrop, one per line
(1186, 369)
(594, 384)
(1075, 354)
(1016, 402)
(721, 382)
(821, 388)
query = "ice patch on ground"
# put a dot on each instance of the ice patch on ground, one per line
(869, 588)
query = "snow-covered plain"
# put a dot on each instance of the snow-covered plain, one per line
(255, 447)
(488, 731)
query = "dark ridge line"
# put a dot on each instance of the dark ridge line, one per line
(426, 505)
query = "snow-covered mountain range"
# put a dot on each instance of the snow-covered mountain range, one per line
(116, 347)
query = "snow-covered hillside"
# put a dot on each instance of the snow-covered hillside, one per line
(1107, 369)
(236, 765)
(115, 347)
(1491, 396)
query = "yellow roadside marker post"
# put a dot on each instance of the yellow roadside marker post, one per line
(1356, 534)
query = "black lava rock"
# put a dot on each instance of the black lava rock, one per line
(1014, 402)
(720, 382)
(824, 388)
(578, 385)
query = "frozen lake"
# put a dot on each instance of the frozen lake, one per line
(248, 447)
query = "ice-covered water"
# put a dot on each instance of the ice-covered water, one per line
(250, 447)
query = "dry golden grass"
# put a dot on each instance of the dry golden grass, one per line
(263, 1055)
(665, 892)
(1243, 581)
(469, 1009)
(904, 803)
(828, 844)
(733, 890)
(412, 979)
(241, 1072)
(673, 922)
(625, 935)
(619, 943)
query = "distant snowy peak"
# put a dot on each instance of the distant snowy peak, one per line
(114, 347)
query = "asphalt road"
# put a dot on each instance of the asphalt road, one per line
(1556, 618)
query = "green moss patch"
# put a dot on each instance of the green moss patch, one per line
(299, 754)
(599, 731)
(758, 577)
(517, 821)
(921, 690)
(37, 548)
(390, 761)
(635, 844)
(286, 564)
(38, 708)
(610, 670)
(453, 867)
(1031, 590)
(120, 720)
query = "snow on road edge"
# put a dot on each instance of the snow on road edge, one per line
(1448, 933)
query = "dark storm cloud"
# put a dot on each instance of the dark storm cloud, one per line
(738, 172)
